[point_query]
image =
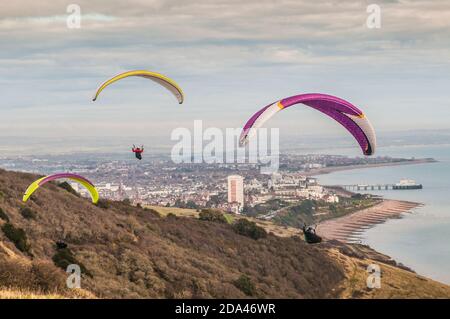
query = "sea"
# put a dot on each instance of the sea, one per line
(420, 240)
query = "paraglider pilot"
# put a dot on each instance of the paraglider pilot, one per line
(310, 235)
(138, 151)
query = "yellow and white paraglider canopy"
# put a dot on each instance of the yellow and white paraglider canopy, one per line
(166, 82)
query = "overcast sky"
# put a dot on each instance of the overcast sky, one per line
(230, 57)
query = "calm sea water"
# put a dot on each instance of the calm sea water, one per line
(420, 240)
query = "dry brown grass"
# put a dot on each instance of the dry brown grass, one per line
(14, 293)
(396, 283)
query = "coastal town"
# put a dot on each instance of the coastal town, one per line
(234, 188)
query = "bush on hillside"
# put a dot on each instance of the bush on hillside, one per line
(47, 277)
(27, 213)
(64, 257)
(67, 187)
(152, 211)
(171, 215)
(212, 216)
(245, 284)
(250, 229)
(17, 236)
(103, 203)
(3, 215)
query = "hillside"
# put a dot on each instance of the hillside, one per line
(133, 252)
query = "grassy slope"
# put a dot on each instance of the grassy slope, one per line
(164, 211)
(395, 282)
(131, 252)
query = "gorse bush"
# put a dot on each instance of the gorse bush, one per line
(250, 229)
(17, 236)
(64, 257)
(27, 213)
(103, 203)
(3, 215)
(244, 284)
(151, 211)
(171, 215)
(67, 187)
(212, 215)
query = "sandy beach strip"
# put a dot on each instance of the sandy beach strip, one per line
(349, 228)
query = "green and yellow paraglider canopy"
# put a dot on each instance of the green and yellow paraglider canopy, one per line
(80, 179)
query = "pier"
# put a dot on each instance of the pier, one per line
(403, 184)
(367, 187)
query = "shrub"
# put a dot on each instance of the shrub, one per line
(244, 284)
(250, 229)
(212, 216)
(357, 196)
(103, 203)
(27, 213)
(64, 257)
(17, 236)
(38, 276)
(3, 215)
(171, 215)
(152, 211)
(47, 277)
(67, 187)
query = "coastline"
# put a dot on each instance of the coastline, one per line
(328, 170)
(352, 228)
(349, 228)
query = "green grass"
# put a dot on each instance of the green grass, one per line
(186, 212)
(164, 211)
(229, 217)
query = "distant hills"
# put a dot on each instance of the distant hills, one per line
(133, 252)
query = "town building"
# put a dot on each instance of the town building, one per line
(236, 191)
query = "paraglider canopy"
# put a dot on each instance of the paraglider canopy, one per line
(345, 113)
(166, 82)
(80, 179)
